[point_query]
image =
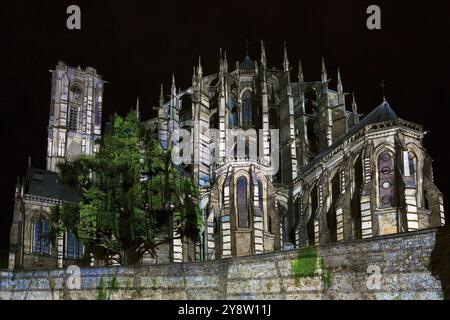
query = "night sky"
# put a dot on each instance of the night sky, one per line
(137, 45)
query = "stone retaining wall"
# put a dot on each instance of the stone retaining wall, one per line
(412, 265)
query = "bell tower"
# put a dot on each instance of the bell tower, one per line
(75, 114)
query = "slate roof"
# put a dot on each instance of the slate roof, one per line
(247, 64)
(382, 113)
(45, 184)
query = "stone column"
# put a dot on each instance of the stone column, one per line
(339, 210)
(225, 218)
(366, 210)
(210, 254)
(60, 248)
(177, 246)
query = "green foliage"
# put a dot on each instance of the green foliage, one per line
(307, 264)
(131, 192)
(325, 275)
(114, 284)
(154, 284)
(52, 284)
(102, 293)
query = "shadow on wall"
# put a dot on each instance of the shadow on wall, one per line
(4, 259)
(440, 260)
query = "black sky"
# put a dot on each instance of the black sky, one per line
(136, 45)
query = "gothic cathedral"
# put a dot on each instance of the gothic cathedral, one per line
(280, 163)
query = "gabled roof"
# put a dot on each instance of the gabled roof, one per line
(247, 64)
(44, 183)
(382, 113)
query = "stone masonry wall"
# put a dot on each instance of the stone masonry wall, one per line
(412, 265)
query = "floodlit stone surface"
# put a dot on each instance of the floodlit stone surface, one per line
(411, 266)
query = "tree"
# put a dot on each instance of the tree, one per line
(131, 195)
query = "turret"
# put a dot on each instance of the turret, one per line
(355, 110)
(138, 115)
(285, 60)
(263, 56)
(324, 76)
(340, 89)
(300, 72)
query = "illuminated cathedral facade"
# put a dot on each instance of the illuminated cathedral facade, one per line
(280, 163)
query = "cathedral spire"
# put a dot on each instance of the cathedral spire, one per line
(161, 95)
(263, 56)
(354, 110)
(383, 88)
(137, 109)
(285, 59)
(324, 71)
(225, 61)
(200, 69)
(174, 87)
(300, 72)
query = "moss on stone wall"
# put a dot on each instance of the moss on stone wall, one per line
(102, 293)
(337, 271)
(308, 265)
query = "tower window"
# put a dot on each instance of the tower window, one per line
(40, 229)
(61, 144)
(246, 109)
(232, 112)
(242, 208)
(73, 118)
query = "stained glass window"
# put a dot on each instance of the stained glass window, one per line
(74, 247)
(386, 179)
(232, 112)
(40, 244)
(242, 202)
(246, 108)
(411, 160)
(73, 118)
(261, 195)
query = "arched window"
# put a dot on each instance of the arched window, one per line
(312, 138)
(76, 99)
(261, 195)
(40, 228)
(74, 247)
(273, 118)
(411, 163)
(247, 108)
(242, 208)
(426, 203)
(247, 148)
(232, 112)
(269, 224)
(386, 179)
(215, 226)
(73, 117)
